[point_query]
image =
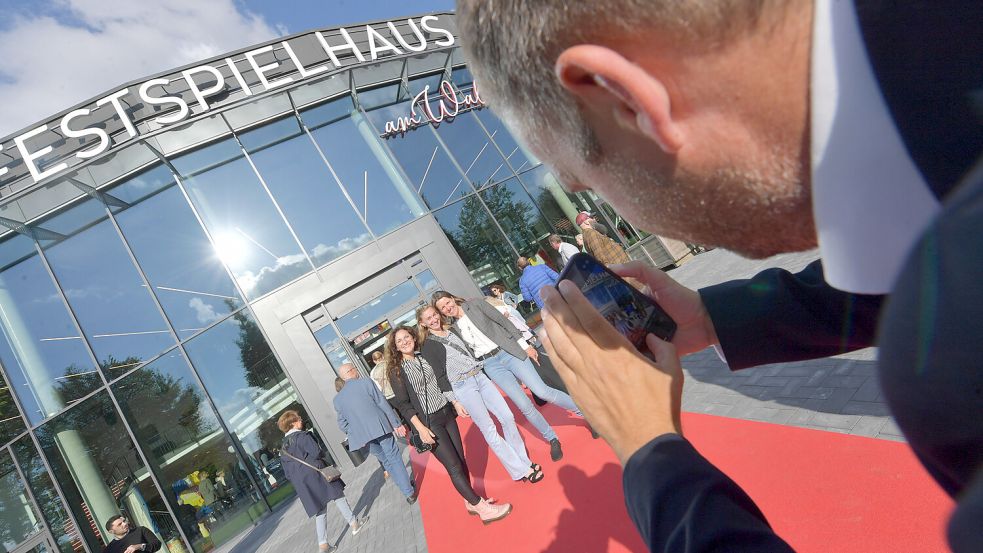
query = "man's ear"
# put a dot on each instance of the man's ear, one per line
(604, 80)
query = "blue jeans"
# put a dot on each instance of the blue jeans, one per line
(480, 397)
(384, 448)
(510, 373)
(321, 520)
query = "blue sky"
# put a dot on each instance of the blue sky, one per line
(57, 53)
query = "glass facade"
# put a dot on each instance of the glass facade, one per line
(136, 376)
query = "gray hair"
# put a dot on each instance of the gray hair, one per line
(513, 46)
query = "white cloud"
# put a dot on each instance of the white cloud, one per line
(203, 312)
(49, 65)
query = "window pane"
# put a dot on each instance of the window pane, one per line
(474, 151)
(295, 173)
(555, 202)
(100, 473)
(45, 358)
(65, 533)
(520, 219)
(108, 296)
(248, 233)
(427, 282)
(11, 424)
(18, 519)
(250, 391)
(182, 266)
(185, 444)
(517, 156)
(376, 310)
(478, 241)
(356, 154)
(423, 159)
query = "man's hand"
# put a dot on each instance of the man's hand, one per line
(461, 411)
(628, 399)
(533, 354)
(399, 431)
(134, 548)
(694, 329)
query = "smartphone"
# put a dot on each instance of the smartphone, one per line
(629, 311)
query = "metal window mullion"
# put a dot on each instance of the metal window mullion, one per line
(59, 491)
(337, 179)
(276, 205)
(452, 157)
(105, 386)
(394, 160)
(30, 492)
(501, 152)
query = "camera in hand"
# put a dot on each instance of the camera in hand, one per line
(629, 311)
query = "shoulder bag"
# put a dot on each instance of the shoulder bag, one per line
(329, 472)
(415, 439)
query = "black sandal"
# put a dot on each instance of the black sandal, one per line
(536, 476)
(536, 466)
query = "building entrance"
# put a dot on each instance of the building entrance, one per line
(40, 543)
(380, 304)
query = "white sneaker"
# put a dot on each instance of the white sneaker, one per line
(359, 524)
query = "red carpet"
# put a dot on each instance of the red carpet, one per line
(823, 492)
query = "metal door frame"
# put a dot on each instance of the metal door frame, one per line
(42, 537)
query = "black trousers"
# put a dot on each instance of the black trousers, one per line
(450, 452)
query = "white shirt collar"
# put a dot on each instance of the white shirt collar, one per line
(869, 200)
(291, 431)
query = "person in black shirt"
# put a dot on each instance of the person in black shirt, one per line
(128, 539)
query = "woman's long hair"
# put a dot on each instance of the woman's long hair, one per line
(441, 294)
(422, 331)
(393, 357)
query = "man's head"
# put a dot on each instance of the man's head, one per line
(522, 263)
(555, 241)
(118, 525)
(348, 372)
(689, 116)
(584, 220)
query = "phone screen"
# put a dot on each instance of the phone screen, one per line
(630, 312)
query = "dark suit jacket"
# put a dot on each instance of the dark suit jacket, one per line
(926, 55)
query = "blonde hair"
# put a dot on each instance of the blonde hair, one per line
(422, 331)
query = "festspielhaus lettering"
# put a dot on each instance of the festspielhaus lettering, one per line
(205, 82)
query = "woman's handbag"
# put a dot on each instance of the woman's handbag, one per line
(329, 472)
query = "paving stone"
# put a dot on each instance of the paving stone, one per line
(869, 391)
(833, 402)
(865, 408)
(832, 420)
(844, 381)
(868, 426)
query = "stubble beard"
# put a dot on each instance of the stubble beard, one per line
(756, 212)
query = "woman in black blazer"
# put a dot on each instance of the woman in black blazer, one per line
(425, 398)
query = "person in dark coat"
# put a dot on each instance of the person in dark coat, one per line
(301, 460)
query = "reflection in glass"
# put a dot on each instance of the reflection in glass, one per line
(484, 249)
(380, 194)
(428, 283)
(556, 203)
(183, 268)
(250, 391)
(45, 358)
(295, 174)
(106, 293)
(375, 311)
(426, 163)
(248, 233)
(100, 473)
(473, 150)
(11, 425)
(520, 219)
(518, 157)
(189, 452)
(18, 519)
(63, 529)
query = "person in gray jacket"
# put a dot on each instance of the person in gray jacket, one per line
(508, 359)
(367, 418)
